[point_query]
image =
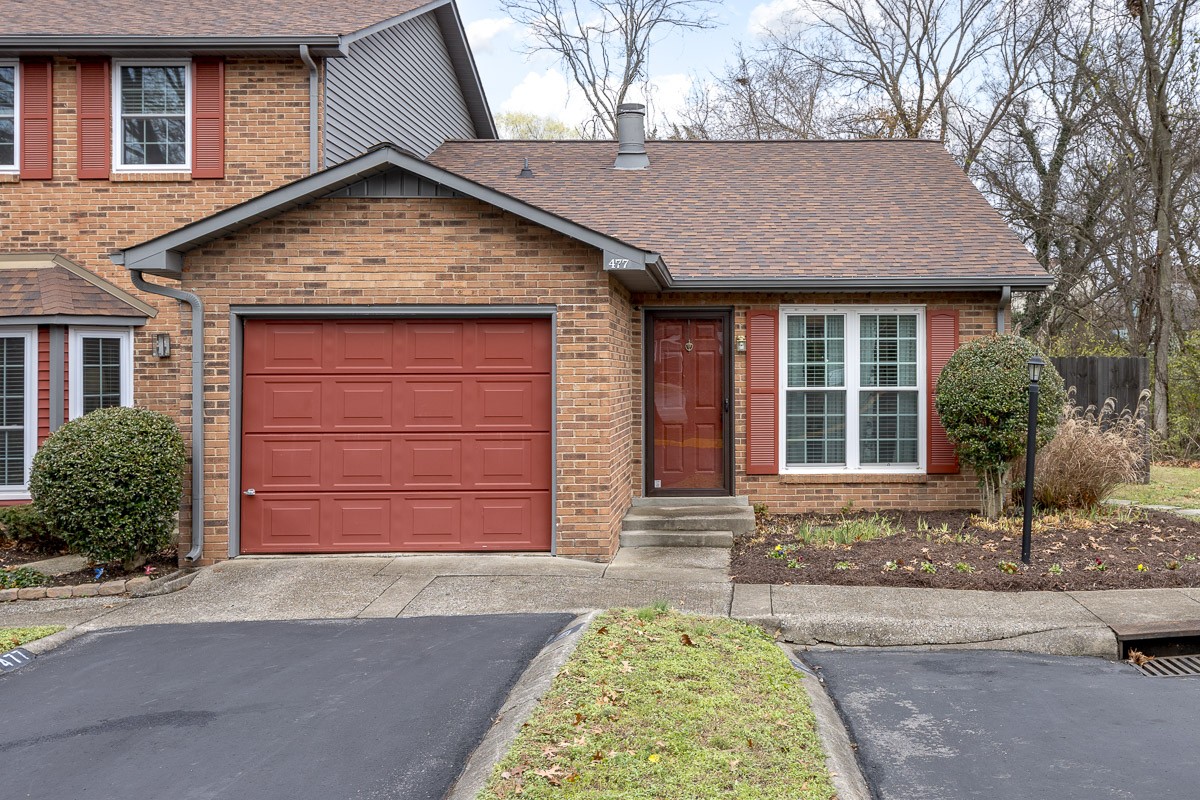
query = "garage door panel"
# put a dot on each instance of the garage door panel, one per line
(359, 404)
(510, 462)
(282, 464)
(431, 523)
(510, 521)
(511, 403)
(281, 524)
(360, 522)
(282, 404)
(435, 404)
(362, 347)
(435, 345)
(512, 345)
(283, 347)
(358, 463)
(431, 463)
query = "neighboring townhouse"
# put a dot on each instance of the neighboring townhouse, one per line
(504, 345)
(121, 121)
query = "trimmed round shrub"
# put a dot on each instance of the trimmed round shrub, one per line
(110, 483)
(983, 399)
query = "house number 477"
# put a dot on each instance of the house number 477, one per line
(619, 263)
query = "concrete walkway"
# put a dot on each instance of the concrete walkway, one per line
(689, 579)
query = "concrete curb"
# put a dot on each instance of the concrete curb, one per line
(47, 643)
(525, 694)
(841, 758)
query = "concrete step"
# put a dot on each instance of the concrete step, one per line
(739, 519)
(660, 502)
(676, 538)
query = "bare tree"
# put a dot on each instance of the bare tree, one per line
(523, 125)
(605, 44)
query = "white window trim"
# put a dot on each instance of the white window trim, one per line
(31, 408)
(118, 150)
(75, 365)
(852, 388)
(15, 167)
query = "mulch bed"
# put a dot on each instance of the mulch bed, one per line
(1071, 551)
(14, 554)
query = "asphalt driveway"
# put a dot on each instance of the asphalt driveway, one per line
(955, 725)
(295, 710)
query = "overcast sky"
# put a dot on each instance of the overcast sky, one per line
(515, 81)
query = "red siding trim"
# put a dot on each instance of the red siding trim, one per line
(208, 118)
(762, 391)
(941, 342)
(95, 119)
(43, 368)
(37, 120)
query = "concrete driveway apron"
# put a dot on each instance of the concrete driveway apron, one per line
(289, 710)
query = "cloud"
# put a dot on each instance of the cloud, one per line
(482, 33)
(776, 14)
(548, 94)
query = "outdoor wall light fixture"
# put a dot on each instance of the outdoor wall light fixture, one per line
(162, 345)
(739, 344)
(1035, 376)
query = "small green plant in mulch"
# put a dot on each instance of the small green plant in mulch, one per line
(21, 578)
(843, 565)
(1008, 567)
(15, 637)
(964, 567)
(668, 708)
(929, 567)
(1055, 569)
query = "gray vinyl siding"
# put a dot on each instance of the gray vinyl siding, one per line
(397, 85)
(395, 183)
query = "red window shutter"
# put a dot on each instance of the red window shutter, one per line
(208, 118)
(95, 119)
(37, 119)
(941, 342)
(762, 391)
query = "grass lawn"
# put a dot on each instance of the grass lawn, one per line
(1169, 486)
(15, 637)
(657, 705)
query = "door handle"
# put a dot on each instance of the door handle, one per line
(249, 493)
(726, 405)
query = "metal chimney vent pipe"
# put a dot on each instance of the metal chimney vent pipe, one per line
(631, 137)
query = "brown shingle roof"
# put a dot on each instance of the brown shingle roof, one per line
(197, 17)
(48, 285)
(890, 209)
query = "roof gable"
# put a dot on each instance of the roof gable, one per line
(46, 285)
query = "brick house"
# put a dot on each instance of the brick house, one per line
(449, 342)
(504, 344)
(119, 123)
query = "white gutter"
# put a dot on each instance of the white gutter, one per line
(313, 79)
(197, 403)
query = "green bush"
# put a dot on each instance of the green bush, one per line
(21, 578)
(110, 482)
(983, 399)
(1183, 440)
(26, 525)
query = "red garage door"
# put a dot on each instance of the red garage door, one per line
(394, 435)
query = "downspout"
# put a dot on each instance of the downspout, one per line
(313, 80)
(197, 403)
(1002, 311)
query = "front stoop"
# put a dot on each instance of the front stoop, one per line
(686, 521)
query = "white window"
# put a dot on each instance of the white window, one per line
(852, 389)
(9, 117)
(152, 125)
(101, 365)
(18, 410)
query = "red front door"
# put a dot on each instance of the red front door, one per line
(688, 404)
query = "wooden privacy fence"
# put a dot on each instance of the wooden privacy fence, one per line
(1097, 378)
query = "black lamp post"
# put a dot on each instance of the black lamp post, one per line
(1035, 376)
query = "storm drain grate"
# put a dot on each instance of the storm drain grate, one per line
(1170, 666)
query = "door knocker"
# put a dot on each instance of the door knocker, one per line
(688, 346)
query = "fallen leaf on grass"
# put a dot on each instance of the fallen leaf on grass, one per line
(626, 666)
(687, 641)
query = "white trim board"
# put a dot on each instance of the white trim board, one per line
(30, 335)
(118, 164)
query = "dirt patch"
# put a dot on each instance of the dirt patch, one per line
(14, 554)
(1118, 548)
(161, 564)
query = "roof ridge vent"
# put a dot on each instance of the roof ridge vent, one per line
(525, 172)
(631, 137)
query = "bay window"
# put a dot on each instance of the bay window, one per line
(853, 389)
